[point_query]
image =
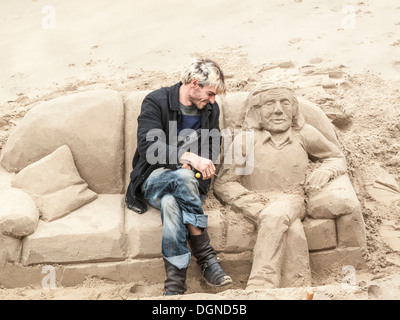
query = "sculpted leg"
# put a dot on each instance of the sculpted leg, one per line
(296, 270)
(271, 244)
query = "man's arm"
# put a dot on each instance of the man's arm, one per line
(210, 145)
(152, 135)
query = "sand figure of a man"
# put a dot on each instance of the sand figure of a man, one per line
(272, 194)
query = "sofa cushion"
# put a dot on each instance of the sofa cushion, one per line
(19, 215)
(94, 232)
(55, 184)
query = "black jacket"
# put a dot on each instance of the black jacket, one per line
(159, 111)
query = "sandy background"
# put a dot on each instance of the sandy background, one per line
(128, 45)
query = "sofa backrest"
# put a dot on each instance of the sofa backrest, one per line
(133, 103)
(90, 123)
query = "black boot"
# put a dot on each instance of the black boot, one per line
(207, 260)
(175, 282)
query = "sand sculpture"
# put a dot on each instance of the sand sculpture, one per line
(62, 199)
(275, 187)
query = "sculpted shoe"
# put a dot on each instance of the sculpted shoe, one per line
(207, 260)
(175, 282)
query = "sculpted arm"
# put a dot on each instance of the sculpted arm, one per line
(333, 161)
(239, 161)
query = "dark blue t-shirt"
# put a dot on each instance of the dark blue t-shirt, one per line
(190, 118)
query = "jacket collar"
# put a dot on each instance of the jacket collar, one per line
(174, 98)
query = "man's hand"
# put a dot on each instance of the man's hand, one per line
(186, 166)
(203, 165)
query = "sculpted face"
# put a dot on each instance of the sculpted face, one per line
(277, 110)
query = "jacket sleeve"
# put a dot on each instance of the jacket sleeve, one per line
(215, 137)
(152, 135)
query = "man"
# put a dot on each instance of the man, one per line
(164, 164)
(271, 194)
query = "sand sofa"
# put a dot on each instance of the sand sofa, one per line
(63, 175)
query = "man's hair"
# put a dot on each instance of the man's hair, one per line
(207, 72)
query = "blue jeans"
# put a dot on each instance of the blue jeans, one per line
(176, 194)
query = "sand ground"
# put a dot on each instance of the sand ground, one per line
(51, 48)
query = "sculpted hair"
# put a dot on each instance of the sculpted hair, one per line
(207, 72)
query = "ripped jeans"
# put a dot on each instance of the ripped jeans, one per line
(176, 194)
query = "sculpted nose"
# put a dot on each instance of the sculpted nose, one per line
(278, 107)
(212, 99)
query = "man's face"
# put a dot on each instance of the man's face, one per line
(200, 96)
(276, 112)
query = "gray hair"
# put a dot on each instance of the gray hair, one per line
(207, 73)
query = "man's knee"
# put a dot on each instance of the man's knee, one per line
(171, 215)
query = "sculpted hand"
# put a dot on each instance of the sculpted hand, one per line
(250, 205)
(318, 179)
